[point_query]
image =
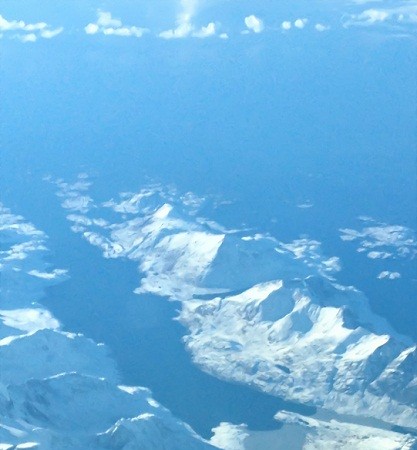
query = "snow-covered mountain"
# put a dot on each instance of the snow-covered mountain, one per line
(308, 341)
(61, 390)
(258, 311)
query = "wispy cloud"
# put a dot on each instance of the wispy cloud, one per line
(405, 14)
(184, 21)
(49, 34)
(189, 9)
(110, 26)
(184, 24)
(320, 27)
(27, 32)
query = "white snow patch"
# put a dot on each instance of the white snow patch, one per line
(29, 319)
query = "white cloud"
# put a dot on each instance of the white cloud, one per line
(378, 255)
(184, 26)
(105, 20)
(209, 30)
(31, 37)
(35, 26)
(371, 16)
(300, 23)
(92, 28)
(320, 27)
(28, 32)
(223, 36)
(56, 273)
(125, 31)
(49, 34)
(6, 25)
(402, 15)
(181, 31)
(254, 23)
(389, 275)
(109, 26)
(189, 9)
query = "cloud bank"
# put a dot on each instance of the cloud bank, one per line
(110, 26)
(27, 32)
(403, 15)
